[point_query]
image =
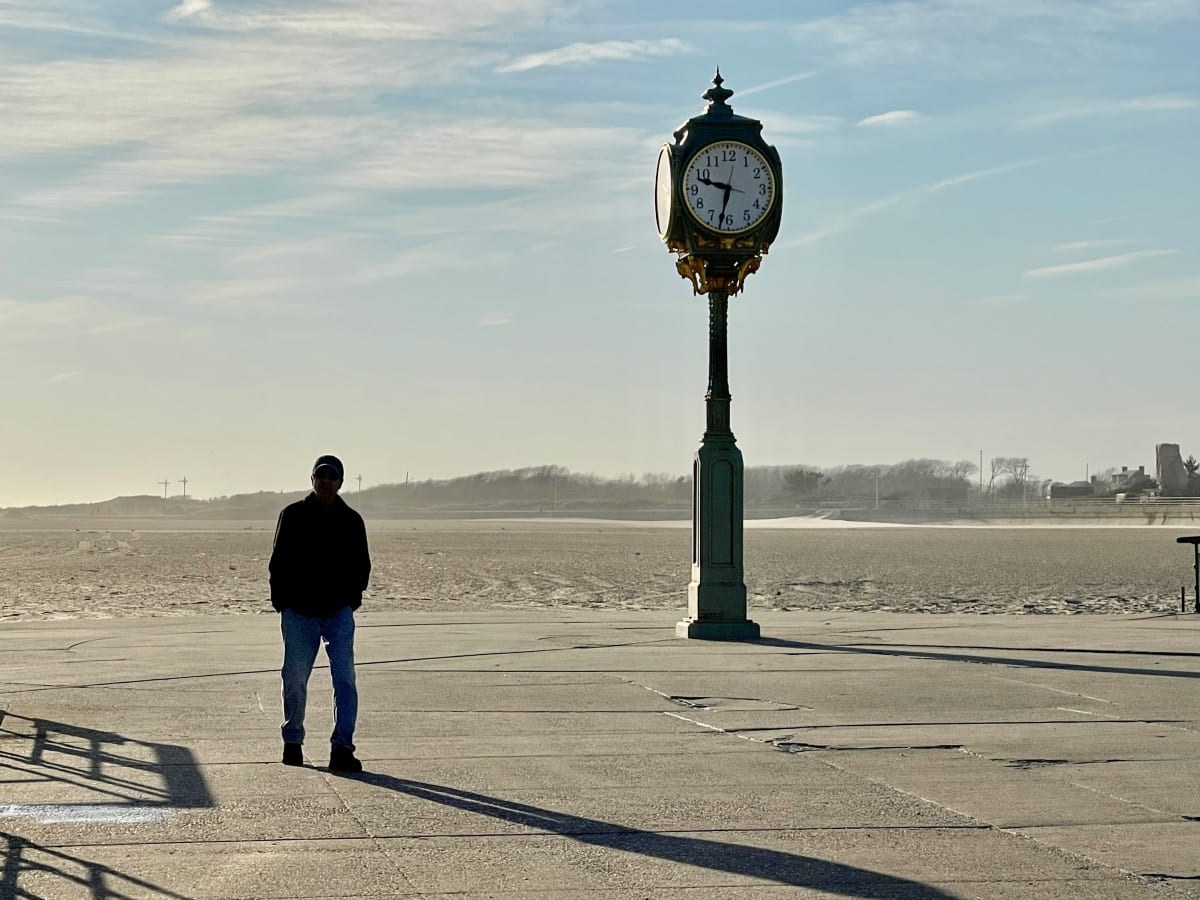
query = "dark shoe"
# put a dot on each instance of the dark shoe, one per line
(293, 754)
(342, 759)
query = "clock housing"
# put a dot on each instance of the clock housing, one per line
(712, 162)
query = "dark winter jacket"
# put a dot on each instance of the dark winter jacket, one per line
(319, 562)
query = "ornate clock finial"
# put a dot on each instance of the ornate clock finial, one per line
(717, 95)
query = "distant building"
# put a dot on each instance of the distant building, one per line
(1074, 490)
(1170, 471)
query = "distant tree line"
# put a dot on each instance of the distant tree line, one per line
(549, 489)
(558, 488)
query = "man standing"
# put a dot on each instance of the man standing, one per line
(319, 568)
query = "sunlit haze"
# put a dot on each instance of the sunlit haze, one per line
(236, 234)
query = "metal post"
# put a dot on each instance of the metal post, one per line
(1196, 547)
(717, 593)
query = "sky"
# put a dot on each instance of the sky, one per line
(419, 234)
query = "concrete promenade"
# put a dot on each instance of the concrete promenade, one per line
(578, 754)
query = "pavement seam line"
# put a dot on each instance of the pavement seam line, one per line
(329, 781)
(980, 823)
(1010, 831)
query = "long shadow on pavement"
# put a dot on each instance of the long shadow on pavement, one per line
(753, 862)
(1017, 662)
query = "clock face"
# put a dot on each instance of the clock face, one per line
(663, 191)
(728, 187)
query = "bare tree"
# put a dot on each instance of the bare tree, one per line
(1014, 468)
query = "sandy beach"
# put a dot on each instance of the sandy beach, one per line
(91, 569)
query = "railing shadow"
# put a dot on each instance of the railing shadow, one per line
(102, 764)
(47, 869)
(94, 777)
(753, 862)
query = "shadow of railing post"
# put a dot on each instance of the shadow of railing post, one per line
(22, 855)
(102, 776)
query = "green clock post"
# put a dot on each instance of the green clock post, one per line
(718, 199)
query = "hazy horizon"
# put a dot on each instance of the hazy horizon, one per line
(236, 235)
(755, 476)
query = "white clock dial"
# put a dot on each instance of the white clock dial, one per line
(663, 191)
(728, 187)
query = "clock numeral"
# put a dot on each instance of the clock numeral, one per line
(745, 216)
(699, 203)
(757, 173)
(762, 190)
(705, 174)
(694, 189)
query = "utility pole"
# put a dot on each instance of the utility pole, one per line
(183, 481)
(358, 478)
(164, 483)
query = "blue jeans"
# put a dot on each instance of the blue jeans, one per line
(302, 636)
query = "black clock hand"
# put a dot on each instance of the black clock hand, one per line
(720, 184)
(729, 188)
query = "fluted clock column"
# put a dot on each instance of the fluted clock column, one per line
(717, 592)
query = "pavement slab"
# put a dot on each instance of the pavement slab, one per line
(594, 754)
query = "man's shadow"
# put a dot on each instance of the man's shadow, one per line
(754, 862)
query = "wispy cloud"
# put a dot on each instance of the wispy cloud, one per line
(580, 54)
(1159, 289)
(1092, 245)
(68, 314)
(370, 20)
(1001, 299)
(1159, 103)
(982, 37)
(187, 9)
(1104, 263)
(64, 376)
(895, 117)
(44, 314)
(786, 129)
(779, 82)
(496, 320)
(851, 217)
(298, 91)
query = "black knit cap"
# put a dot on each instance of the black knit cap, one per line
(329, 462)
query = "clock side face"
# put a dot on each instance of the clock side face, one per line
(663, 191)
(728, 187)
